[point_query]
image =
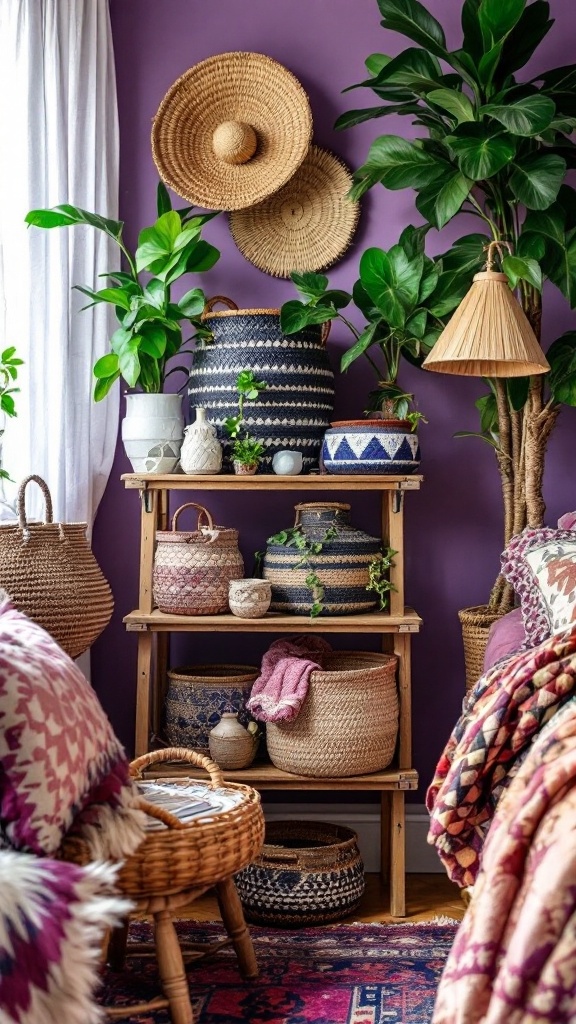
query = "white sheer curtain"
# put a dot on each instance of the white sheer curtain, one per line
(59, 144)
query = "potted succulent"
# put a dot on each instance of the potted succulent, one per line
(151, 331)
(499, 148)
(246, 451)
(395, 294)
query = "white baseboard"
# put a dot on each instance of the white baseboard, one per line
(420, 857)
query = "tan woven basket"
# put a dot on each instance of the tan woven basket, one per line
(348, 723)
(51, 575)
(475, 624)
(193, 568)
(201, 852)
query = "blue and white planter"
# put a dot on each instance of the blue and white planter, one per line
(371, 447)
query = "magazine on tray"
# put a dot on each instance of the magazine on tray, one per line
(184, 802)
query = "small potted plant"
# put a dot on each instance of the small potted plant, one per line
(246, 451)
(151, 329)
(9, 364)
(395, 295)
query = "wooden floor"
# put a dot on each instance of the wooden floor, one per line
(427, 896)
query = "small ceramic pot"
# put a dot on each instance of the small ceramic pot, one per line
(249, 598)
(287, 463)
(230, 744)
(244, 469)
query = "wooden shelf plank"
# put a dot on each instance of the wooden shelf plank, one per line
(274, 622)
(269, 482)
(267, 776)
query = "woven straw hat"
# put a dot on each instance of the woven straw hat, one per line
(306, 225)
(231, 131)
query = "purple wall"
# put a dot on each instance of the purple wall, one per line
(454, 524)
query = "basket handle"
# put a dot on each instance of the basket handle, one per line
(210, 303)
(201, 511)
(177, 754)
(48, 514)
(166, 817)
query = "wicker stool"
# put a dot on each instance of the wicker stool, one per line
(176, 865)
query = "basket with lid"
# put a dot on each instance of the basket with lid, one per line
(296, 406)
(193, 568)
(337, 553)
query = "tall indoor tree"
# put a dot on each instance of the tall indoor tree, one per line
(498, 147)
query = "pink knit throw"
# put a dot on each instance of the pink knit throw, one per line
(280, 690)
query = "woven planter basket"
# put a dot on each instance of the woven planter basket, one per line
(296, 406)
(198, 696)
(193, 568)
(51, 575)
(203, 851)
(348, 723)
(475, 624)
(308, 872)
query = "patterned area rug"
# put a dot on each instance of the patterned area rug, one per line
(340, 974)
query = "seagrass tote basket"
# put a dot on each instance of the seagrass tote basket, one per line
(348, 723)
(475, 624)
(193, 568)
(185, 855)
(50, 573)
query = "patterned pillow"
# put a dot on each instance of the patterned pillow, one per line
(60, 761)
(541, 566)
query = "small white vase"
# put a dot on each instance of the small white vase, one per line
(201, 451)
(152, 432)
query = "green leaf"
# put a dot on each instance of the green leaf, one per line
(363, 343)
(392, 281)
(106, 366)
(519, 268)
(562, 377)
(129, 362)
(562, 79)
(488, 65)
(481, 151)
(444, 198)
(202, 257)
(375, 62)
(153, 341)
(526, 36)
(497, 18)
(537, 178)
(471, 32)
(397, 163)
(117, 296)
(103, 386)
(310, 285)
(163, 204)
(66, 216)
(416, 325)
(559, 259)
(412, 240)
(456, 103)
(518, 389)
(429, 280)
(335, 297)
(488, 410)
(295, 315)
(155, 293)
(411, 19)
(192, 303)
(528, 116)
(413, 69)
(353, 117)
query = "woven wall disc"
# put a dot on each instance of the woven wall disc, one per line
(306, 225)
(231, 131)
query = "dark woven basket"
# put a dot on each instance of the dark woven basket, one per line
(197, 697)
(309, 872)
(342, 565)
(296, 407)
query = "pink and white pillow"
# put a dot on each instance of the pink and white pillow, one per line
(541, 566)
(61, 766)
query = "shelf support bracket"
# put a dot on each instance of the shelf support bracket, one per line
(397, 501)
(147, 500)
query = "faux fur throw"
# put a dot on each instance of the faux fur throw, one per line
(280, 690)
(53, 918)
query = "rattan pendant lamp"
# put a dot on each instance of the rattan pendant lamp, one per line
(489, 334)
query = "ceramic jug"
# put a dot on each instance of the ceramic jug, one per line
(201, 450)
(231, 745)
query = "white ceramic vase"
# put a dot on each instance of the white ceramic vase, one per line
(152, 432)
(201, 451)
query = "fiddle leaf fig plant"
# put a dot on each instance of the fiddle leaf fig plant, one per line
(497, 144)
(151, 324)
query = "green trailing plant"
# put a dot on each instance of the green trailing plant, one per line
(501, 149)
(379, 576)
(245, 449)
(295, 537)
(151, 325)
(9, 365)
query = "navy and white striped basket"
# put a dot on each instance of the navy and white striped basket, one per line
(294, 410)
(371, 447)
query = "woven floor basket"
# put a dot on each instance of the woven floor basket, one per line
(193, 568)
(201, 852)
(198, 696)
(296, 406)
(476, 623)
(308, 872)
(51, 575)
(348, 723)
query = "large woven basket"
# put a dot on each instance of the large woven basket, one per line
(476, 623)
(203, 851)
(198, 696)
(296, 406)
(308, 872)
(193, 568)
(348, 723)
(51, 575)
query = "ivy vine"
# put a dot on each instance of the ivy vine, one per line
(378, 575)
(295, 537)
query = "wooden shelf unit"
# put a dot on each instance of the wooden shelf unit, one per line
(395, 626)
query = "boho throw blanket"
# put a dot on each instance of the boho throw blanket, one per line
(501, 717)
(514, 957)
(280, 690)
